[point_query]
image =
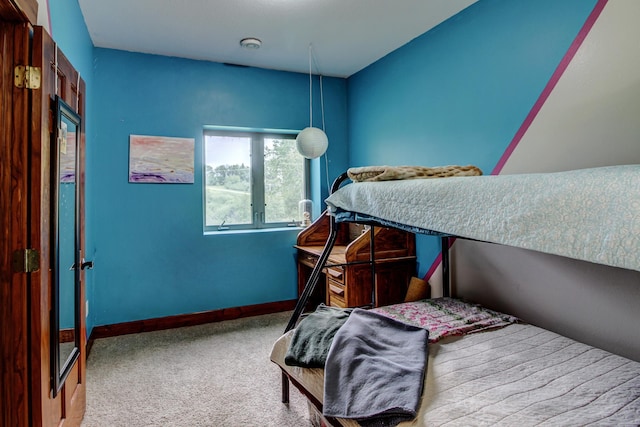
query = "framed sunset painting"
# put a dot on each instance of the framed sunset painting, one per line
(161, 159)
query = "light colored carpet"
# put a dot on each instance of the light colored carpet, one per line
(214, 375)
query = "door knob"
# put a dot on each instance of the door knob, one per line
(86, 265)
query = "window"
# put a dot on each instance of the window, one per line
(252, 180)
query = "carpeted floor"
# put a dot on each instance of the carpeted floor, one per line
(214, 375)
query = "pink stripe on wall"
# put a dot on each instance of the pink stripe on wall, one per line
(434, 267)
(437, 261)
(564, 63)
(553, 81)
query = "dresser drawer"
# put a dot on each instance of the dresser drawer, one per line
(307, 259)
(335, 288)
(335, 273)
(335, 293)
(336, 301)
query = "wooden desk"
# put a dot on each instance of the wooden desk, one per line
(346, 281)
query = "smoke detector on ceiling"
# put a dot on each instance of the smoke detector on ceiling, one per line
(251, 43)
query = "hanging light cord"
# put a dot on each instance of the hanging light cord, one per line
(322, 101)
(315, 62)
(326, 161)
(310, 90)
(326, 158)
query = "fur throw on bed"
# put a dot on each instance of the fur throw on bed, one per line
(388, 173)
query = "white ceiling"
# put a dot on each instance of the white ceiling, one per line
(346, 35)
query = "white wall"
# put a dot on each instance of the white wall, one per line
(591, 303)
(591, 118)
(43, 15)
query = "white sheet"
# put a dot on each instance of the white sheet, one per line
(519, 375)
(588, 214)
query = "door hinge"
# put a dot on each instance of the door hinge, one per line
(26, 261)
(26, 76)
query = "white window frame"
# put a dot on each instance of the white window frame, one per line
(257, 178)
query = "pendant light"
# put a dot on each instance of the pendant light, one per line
(312, 142)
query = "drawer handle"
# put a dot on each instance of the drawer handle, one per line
(334, 273)
(336, 290)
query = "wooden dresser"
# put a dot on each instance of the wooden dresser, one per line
(347, 277)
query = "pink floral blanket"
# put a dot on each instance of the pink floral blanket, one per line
(444, 317)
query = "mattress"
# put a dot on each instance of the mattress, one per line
(588, 214)
(516, 375)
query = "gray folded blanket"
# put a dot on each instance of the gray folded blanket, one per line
(312, 337)
(375, 370)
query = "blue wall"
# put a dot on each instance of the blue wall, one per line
(455, 95)
(458, 93)
(152, 258)
(70, 32)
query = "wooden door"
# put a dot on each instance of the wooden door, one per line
(14, 172)
(25, 207)
(58, 77)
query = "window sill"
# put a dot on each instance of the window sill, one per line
(253, 231)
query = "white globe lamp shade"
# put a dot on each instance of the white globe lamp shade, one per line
(312, 142)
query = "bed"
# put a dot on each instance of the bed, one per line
(477, 379)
